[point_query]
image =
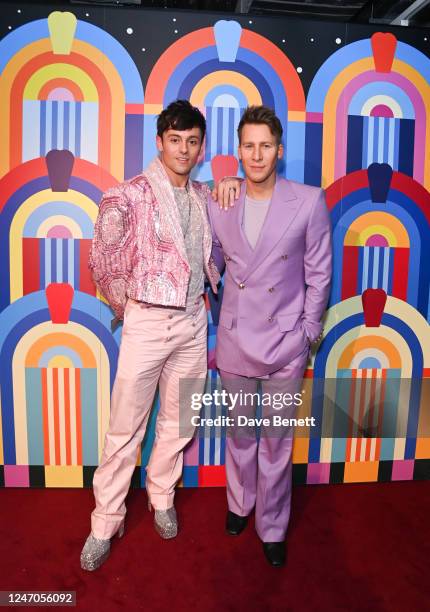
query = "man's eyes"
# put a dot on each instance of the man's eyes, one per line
(176, 141)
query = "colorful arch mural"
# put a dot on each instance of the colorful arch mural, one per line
(74, 121)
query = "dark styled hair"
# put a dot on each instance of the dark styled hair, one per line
(180, 115)
(261, 115)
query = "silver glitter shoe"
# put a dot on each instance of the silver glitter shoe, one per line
(166, 523)
(96, 551)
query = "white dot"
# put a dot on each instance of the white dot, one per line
(338, 41)
(87, 14)
(299, 69)
(250, 21)
(18, 11)
(174, 18)
(283, 40)
(176, 31)
(312, 39)
(9, 27)
(425, 38)
(143, 49)
(129, 30)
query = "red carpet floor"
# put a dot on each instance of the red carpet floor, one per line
(350, 547)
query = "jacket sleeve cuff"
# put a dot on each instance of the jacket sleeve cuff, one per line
(313, 329)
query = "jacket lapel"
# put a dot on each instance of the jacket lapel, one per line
(163, 192)
(284, 206)
(233, 221)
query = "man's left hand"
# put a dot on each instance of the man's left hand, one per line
(227, 191)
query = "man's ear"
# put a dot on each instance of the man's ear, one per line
(280, 151)
(239, 154)
(159, 143)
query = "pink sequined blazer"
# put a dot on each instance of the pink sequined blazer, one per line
(138, 249)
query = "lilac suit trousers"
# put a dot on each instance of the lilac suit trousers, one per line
(259, 471)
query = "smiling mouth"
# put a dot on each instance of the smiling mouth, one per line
(183, 159)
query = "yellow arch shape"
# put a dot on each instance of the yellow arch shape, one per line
(331, 104)
(377, 229)
(19, 385)
(47, 224)
(67, 71)
(380, 223)
(17, 229)
(60, 361)
(229, 77)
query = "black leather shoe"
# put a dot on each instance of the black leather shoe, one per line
(274, 553)
(235, 524)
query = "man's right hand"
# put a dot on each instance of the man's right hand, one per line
(227, 191)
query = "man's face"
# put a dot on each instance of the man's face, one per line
(259, 152)
(180, 150)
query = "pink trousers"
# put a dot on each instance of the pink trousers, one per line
(159, 345)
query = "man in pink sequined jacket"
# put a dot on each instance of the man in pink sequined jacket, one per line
(150, 255)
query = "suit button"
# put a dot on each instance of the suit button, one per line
(170, 316)
(227, 258)
(284, 256)
(271, 289)
(270, 319)
(168, 338)
(241, 285)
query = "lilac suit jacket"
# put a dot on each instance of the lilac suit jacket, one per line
(275, 295)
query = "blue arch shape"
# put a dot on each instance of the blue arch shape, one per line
(119, 57)
(60, 350)
(331, 68)
(21, 37)
(415, 58)
(319, 377)
(219, 90)
(188, 65)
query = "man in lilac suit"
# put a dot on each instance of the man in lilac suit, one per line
(276, 248)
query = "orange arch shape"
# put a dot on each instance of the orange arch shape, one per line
(171, 58)
(56, 339)
(283, 67)
(105, 105)
(375, 342)
(60, 82)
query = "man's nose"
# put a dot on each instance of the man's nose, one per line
(257, 153)
(184, 147)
